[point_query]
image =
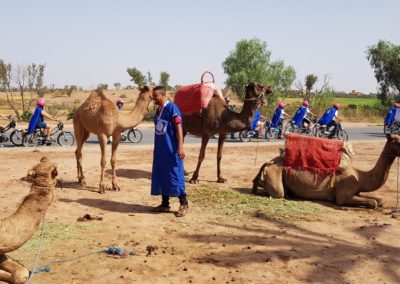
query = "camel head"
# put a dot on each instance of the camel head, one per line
(392, 146)
(44, 173)
(145, 96)
(257, 92)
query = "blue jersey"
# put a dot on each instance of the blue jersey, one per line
(328, 116)
(275, 121)
(256, 118)
(167, 176)
(389, 119)
(35, 119)
(300, 114)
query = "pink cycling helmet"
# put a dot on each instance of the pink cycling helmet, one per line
(396, 104)
(305, 103)
(120, 101)
(40, 102)
(281, 105)
(336, 106)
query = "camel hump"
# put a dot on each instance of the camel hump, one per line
(96, 95)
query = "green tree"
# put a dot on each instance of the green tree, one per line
(384, 58)
(137, 77)
(250, 61)
(164, 80)
(27, 80)
(149, 78)
(310, 81)
(117, 85)
(102, 86)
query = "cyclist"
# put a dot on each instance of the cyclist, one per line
(119, 103)
(389, 119)
(300, 117)
(37, 119)
(279, 116)
(329, 119)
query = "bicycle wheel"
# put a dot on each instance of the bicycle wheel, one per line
(30, 140)
(244, 136)
(342, 135)
(135, 135)
(66, 139)
(271, 134)
(16, 137)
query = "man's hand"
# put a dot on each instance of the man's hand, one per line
(181, 154)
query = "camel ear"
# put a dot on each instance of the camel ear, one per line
(144, 89)
(54, 173)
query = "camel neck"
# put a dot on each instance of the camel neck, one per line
(240, 121)
(377, 176)
(130, 120)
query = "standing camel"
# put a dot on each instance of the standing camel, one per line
(218, 118)
(347, 185)
(18, 228)
(100, 116)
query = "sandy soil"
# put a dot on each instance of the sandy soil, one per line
(342, 246)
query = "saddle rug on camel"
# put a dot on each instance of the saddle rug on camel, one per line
(318, 155)
(193, 98)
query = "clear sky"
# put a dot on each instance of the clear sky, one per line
(89, 42)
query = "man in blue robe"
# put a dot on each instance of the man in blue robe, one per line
(167, 177)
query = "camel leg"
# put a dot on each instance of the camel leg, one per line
(257, 181)
(115, 143)
(379, 200)
(221, 140)
(81, 135)
(357, 201)
(19, 274)
(103, 162)
(202, 154)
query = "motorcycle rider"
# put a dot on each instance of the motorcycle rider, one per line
(300, 117)
(37, 119)
(279, 116)
(389, 119)
(329, 119)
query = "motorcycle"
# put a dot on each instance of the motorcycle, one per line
(15, 136)
(271, 133)
(58, 135)
(324, 132)
(303, 129)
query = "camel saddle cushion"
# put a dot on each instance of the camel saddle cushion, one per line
(193, 98)
(318, 155)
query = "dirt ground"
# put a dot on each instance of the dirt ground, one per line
(339, 246)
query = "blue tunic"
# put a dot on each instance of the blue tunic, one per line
(255, 120)
(36, 117)
(327, 117)
(276, 119)
(167, 177)
(300, 115)
(390, 116)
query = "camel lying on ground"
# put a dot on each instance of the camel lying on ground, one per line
(18, 228)
(344, 187)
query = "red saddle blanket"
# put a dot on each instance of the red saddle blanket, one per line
(193, 98)
(321, 156)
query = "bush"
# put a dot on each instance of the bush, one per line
(26, 115)
(123, 96)
(71, 112)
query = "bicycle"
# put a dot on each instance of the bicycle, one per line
(15, 136)
(271, 133)
(134, 135)
(323, 132)
(58, 135)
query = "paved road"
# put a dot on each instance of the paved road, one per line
(355, 133)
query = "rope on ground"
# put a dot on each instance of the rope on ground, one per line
(255, 158)
(38, 251)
